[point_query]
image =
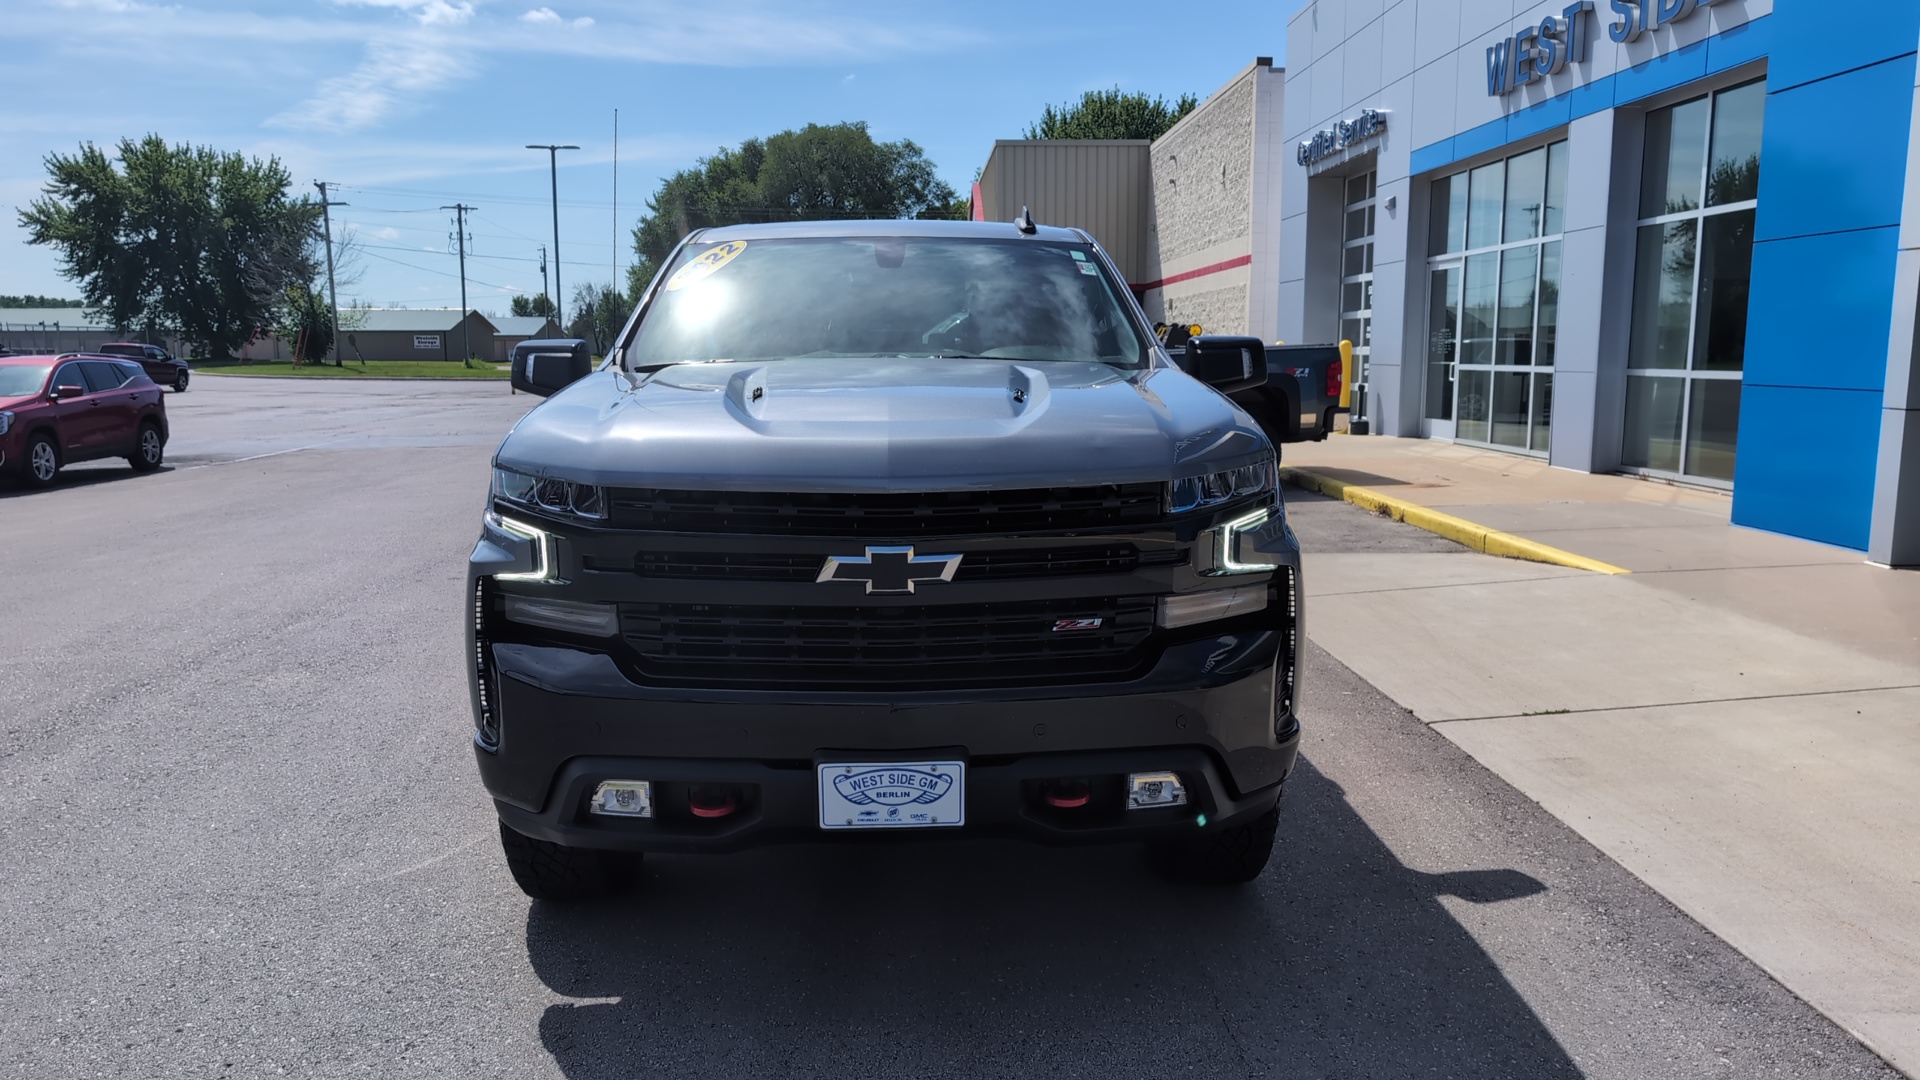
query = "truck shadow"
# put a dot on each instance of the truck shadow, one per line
(989, 959)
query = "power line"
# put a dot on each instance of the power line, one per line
(460, 236)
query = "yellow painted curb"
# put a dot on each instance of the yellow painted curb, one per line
(1459, 530)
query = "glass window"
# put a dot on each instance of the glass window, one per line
(1447, 229)
(103, 375)
(1360, 188)
(1477, 317)
(71, 375)
(19, 380)
(1652, 440)
(1692, 280)
(1726, 273)
(1548, 335)
(1443, 336)
(799, 298)
(1713, 422)
(1662, 295)
(1358, 260)
(1556, 219)
(1543, 411)
(1733, 171)
(1675, 165)
(1526, 195)
(1474, 392)
(1485, 191)
(1519, 269)
(1510, 408)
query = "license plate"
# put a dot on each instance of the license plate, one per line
(892, 794)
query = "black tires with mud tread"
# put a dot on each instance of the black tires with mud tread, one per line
(1231, 856)
(548, 871)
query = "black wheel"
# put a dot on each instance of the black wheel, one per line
(42, 463)
(1231, 856)
(180, 383)
(548, 871)
(148, 449)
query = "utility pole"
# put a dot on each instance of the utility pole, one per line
(543, 282)
(460, 211)
(333, 299)
(553, 168)
(616, 199)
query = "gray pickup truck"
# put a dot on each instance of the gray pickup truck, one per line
(884, 530)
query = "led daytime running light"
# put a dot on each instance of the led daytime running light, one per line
(540, 539)
(1230, 531)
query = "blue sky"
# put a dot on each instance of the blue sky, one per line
(412, 104)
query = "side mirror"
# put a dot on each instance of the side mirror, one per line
(63, 392)
(547, 367)
(1226, 362)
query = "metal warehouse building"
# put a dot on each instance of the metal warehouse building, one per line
(416, 334)
(1665, 237)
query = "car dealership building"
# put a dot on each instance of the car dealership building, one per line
(1659, 237)
(1676, 238)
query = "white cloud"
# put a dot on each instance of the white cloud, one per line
(583, 22)
(541, 15)
(397, 71)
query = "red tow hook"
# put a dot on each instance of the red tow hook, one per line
(1067, 796)
(710, 804)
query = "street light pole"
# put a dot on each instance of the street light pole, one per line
(553, 168)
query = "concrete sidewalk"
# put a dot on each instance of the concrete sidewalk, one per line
(1736, 720)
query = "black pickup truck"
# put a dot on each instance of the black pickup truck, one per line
(1300, 399)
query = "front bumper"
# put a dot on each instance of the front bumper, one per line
(571, 719)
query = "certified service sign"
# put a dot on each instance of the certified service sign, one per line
(892, 794)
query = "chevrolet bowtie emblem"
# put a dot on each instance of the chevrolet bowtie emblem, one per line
(889, 569)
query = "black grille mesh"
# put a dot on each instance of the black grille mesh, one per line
(889, 515)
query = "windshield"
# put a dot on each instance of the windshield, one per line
(888, 296)
(19, 380)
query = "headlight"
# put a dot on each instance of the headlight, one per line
(547, 493)
(6, 422)
(1213, 489)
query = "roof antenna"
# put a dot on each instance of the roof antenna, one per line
(1025, 222)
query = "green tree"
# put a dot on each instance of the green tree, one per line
(820, 171)
(10, 300)
(1112, 114)
(204, 244)
(521, 307)
(599, 313)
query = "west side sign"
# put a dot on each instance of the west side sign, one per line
(1539, 51)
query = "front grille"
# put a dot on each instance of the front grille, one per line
(931, 646)
(889, 515)
(976, 566)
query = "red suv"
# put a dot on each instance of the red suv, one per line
(57, 410)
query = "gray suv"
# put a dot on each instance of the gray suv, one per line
(884, 530)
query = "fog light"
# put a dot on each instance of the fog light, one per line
(1146, 790)
(572, 616)
(623, 798)
(1185, 609)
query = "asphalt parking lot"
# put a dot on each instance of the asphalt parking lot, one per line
(243, 836)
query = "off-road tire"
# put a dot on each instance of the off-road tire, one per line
(40, 449)
(1231, 856)
(548, 871)
(149, 448)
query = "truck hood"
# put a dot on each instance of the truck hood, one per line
(881, 425)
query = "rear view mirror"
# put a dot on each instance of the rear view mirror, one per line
(1226, 362)
(547, 367)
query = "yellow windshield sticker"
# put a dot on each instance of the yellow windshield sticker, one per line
(704, 264)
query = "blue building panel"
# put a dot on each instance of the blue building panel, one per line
(1806, 462)
(1741, 45)
(1833, 155)
(1820, 310)
(1818, 39)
